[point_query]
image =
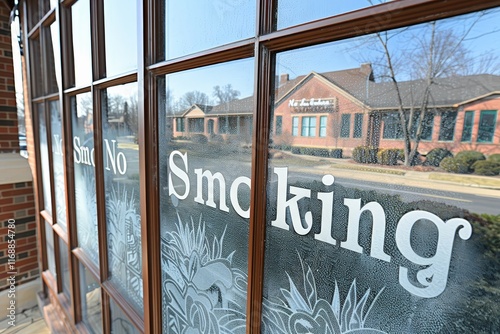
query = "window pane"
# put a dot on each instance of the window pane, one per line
(293, 12)
(58, 163)
(120, 323)
(120, 26)
(295, 126)
(345, 130)
(279, 125)
(84, 169)
(358, 126)
(36, 67)
(52, 59)
(344, 237)
(305, 126)
(121, 181)
(205, 199)
(392, 126)
(468, 124)
(91, 301)
(212, 23)
(486, 126)
(44, 159)
(64, 261)
(447, 128)
(49, 243)
(81, 52)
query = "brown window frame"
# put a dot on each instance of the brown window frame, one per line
(263, 46)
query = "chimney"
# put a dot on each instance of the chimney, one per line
(366, 69)
(284, 78)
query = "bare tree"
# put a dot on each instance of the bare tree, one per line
(193, 97)
(225, 94)
(430, 53)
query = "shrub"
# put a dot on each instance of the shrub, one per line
(365, 154)
(387, 156)
(486, 167)
(454, 165)
(317, 151)
(494, 157)
(470, 157)
(336, 153)
(215, 138)
(199, 138)
(435, 156)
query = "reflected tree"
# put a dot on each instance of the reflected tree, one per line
(193, 97)
(225, 94)
(430, 53)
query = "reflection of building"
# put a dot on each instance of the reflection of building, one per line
(229, 119)
(348, 108)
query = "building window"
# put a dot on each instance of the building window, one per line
(468, 123)
(427, 125)
(196, 125)
(358, 125)
(279, 125)
(322, 126)
(487, 123)
(392, 126)
(308, 127)
(179, 124)
(345, 126)
(295, 126)
(447, 128)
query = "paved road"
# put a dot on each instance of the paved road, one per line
(473, 199)
(471, 202)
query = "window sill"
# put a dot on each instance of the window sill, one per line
(14, 169)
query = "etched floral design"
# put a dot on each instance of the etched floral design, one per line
(304, 312)
(124, 242)
(204, 292)
(86, 212)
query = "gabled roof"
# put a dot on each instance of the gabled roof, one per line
(234, 107)
(359, 85)
(445, 92)
(200, 108)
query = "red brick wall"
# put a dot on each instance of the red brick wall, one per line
(17, 201)
(17, 204)
(9, 140)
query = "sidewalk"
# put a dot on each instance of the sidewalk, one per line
(28, 322)
(460, 183)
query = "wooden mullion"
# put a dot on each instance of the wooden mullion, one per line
(84, 259)
(389, 15)
(234, 51)
(124, 305)
(67, 134)
(148, 169)
(256, 242)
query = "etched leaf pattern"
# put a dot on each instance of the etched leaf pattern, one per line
(204, 293)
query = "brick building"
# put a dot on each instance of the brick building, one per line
(345, 109)
(17, 203)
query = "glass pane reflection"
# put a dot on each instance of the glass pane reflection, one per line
(64, 262)
(49, 243)
(363, 234)
(205, 161)
(294, 12)
(121, 177)
(120, 323)
(91, 301)
(58, 163)
(212, 23)
(44, 158)
(82, 56)
(84, 169)
(120, 26)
